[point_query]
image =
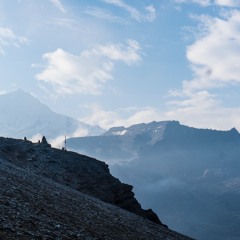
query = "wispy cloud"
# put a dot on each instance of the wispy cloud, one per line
(9, 38)
(88, 72)
(129, 53)
(104, 14)
(149, 16)
(226, 3)
(200, 2)
(121, 117)
(58, 5)
(67, 23)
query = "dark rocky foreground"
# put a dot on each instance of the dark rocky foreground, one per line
(77, 171)
(42, 197)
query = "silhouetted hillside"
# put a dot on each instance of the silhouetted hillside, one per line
(76, 171)
(35, 207)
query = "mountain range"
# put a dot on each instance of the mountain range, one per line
(189, 176)
(23, 115)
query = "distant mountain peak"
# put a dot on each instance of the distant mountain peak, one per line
(234, 130)
(19, 92)
(23, 115)
(154, 130)
(136, 129)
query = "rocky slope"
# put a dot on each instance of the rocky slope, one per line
(34, 207)
(79, 172)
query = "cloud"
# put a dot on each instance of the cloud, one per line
(104, 14)
(200, 99)
(200, 110)
(65, 23)
(3, 92)
(215, 55)
(88, 72)
(69, 74)
(121, 117)
(200, 2)
(58, 142)
(214, 58)
(35, 138)
(150, 15)
(58, 5)
(229, 3)
(205, 3)
(118, 52)
(9, 38)
(208, 115)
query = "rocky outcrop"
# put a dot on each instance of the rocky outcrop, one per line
(35, 207)
(79, 172)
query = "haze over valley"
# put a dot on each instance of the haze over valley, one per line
(189, 176)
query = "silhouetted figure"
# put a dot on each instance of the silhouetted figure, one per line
(44, 140)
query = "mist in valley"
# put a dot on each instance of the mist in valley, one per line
(190, 178)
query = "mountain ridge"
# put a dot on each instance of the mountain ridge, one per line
(22, 115)
(187, 175)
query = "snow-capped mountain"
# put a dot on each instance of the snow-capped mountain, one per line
(151, 128)
(189, 176)
(155, 130)
(22, 115)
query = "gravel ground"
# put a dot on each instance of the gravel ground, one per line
(34, 207)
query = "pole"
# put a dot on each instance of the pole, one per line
(65, 143)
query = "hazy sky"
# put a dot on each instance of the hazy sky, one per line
(120, 62)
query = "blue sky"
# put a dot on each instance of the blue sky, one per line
(121, 62)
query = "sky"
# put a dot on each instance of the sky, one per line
(122, 62)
